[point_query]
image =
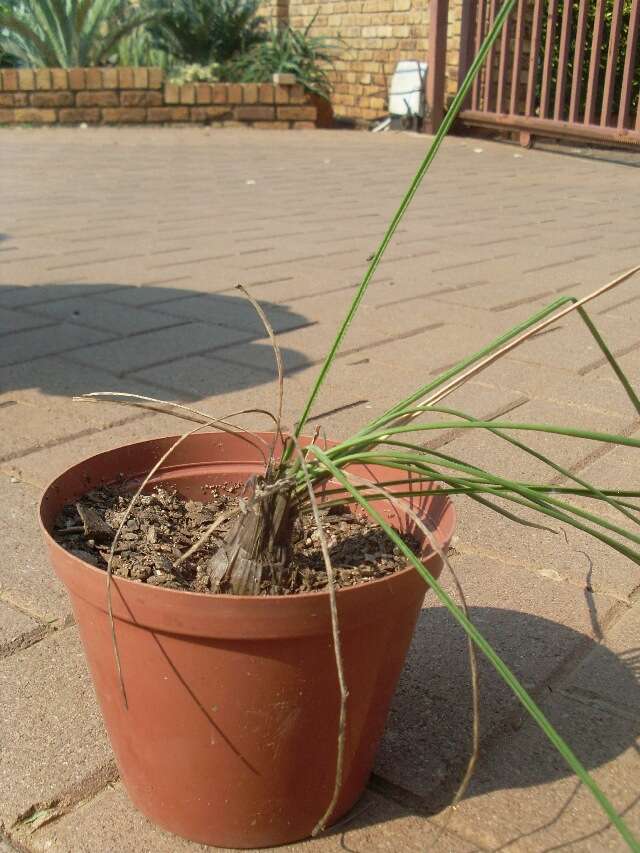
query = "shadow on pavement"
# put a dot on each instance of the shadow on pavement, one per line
(428, 739)
(128, 330)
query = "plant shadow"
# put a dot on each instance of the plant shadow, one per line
(70, 338)
(427, 742)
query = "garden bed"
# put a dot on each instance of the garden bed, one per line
(50, 96)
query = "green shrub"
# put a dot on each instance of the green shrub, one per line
(6, 60)
(203, 32)
(590, 19)
(292, 51)
(138, 49)
(66, 33)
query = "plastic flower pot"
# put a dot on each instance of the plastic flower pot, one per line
(229, 736)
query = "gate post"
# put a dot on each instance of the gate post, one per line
(467, 30)
(437, 60)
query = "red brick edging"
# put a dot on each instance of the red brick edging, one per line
(141, 96)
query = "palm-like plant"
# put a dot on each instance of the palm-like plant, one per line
(138, 49)
(67, 33)
(206, 31)
(290, 51)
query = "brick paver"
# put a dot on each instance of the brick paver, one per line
(377, 823)
(596, 708)
(54, 746)
(120, 251)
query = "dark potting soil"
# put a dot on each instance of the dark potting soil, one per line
(163, 525)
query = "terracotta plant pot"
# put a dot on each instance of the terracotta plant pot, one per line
(230, 734)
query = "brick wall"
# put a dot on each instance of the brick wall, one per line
(376, 34)
(274, 11)
(453, 48)
(141, 95)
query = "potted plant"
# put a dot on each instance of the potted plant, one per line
(247, 713)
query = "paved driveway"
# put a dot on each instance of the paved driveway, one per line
(119, 254)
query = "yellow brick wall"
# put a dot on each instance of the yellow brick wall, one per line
(374, 35)
(453, 47)
(273, 11)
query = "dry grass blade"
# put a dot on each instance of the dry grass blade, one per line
(208, 422)
(168, 407)
(178, 410)
(335, 628)
(114, 543)
(463, 377)
(276, 352)
(406, 507)
(279, 367)
(225, 516)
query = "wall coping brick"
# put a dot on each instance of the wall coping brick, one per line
(143, 96)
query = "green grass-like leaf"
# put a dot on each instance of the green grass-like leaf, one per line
(450, 117)
(500, 666)
(383, 442)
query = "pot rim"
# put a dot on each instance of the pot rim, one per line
(53, 486)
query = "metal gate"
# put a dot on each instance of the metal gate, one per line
(566, 68)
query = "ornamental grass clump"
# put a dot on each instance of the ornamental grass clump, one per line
(285, 50)
(300, 480)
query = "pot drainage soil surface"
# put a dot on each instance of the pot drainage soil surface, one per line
(163, 525)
